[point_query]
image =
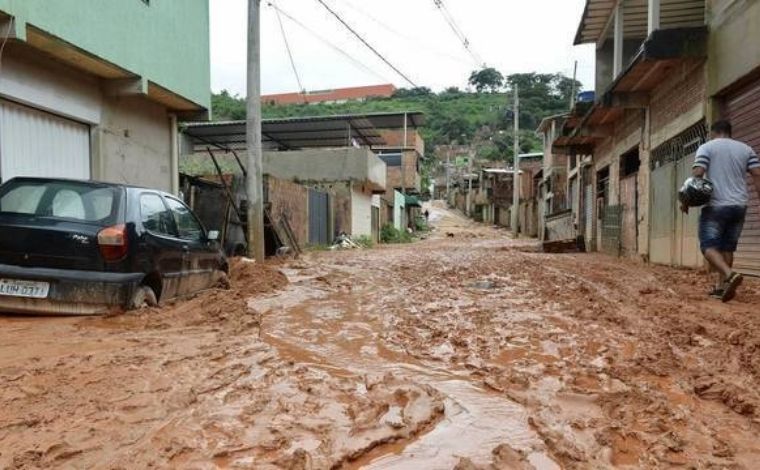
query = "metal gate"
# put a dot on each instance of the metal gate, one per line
(611, 224)
(319, 218)
(588, 206)
(743, 109)
(37, 143)
(629, 233)
(673, 236)
(663, 209)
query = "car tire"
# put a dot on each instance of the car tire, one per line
(143, 297)
(222, 281)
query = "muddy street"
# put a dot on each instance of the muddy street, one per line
(467, 350)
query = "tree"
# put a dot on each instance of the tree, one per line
(412, 92)
(487, 78)
(226, 107)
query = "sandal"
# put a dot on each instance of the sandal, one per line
(716, 293)
(732, 283)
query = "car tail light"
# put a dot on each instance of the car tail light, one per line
(113, 242)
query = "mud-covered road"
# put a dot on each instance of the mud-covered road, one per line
(469, 351)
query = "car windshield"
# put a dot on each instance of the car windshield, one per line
(67, 200)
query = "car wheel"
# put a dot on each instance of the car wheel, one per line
(142, 298)
(222, 280)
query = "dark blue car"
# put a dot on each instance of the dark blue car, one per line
(83, 248)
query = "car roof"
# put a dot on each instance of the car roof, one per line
(35, 179)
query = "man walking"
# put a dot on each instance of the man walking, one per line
(725, 162)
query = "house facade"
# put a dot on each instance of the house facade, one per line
(665, 70)
(339, 95)
(93, 89)
(323, 176)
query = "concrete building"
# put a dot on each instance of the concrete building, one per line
(665, 70)
(340, 95)
(649, 102)
(330, 158)
(94, 88)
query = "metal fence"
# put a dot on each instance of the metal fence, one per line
(611, 229)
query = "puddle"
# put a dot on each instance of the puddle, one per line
(475, 423)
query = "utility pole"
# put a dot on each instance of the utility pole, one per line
(468, 199)
(448, 175)
(403, 162)
(254, 179)
(516, 169)
(573, 91)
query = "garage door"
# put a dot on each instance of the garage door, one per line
(743, 110)
(36, 143)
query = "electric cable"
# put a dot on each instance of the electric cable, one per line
(369, 46)
(301, 88)
(457, 31)
(327, 42)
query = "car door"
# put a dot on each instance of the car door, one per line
(160, 241)
(201, 257)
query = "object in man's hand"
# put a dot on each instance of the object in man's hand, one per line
(696, 192)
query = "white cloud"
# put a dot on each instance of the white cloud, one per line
(511, 35)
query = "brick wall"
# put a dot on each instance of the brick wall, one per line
(676, 97)
(290, 201)
(393, 175)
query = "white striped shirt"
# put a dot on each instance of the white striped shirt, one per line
(727, 162)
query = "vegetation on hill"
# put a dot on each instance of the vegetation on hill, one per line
(483, 118)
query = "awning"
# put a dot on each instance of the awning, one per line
(596, 21)
(305, 132)
(660, 54)
(412, 201)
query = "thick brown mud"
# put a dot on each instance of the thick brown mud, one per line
(467, 350)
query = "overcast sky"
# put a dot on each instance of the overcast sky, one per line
(511, 35)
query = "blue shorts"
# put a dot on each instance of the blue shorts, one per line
(720, 227)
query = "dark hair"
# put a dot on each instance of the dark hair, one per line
(722, 127)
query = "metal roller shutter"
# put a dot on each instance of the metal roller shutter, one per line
(743, 110)
(36, 143)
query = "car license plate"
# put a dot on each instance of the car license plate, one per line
(31, 289)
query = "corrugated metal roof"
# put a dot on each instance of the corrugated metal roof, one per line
(306, 132)
(595, 22)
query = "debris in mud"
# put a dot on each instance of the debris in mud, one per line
(248, 277)
(483, 284)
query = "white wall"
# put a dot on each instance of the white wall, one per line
(46, 85)
(130, 136)
(361, 212)
(135, 143)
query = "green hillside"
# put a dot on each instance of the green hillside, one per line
(480, 118)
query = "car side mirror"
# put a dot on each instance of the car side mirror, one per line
(213, 235)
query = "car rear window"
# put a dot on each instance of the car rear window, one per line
(67, 200)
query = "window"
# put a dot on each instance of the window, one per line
(80, 202)
(391, 159)
(629, 163)
(188, 226)
(22, 199)
(155, 216)
(67, 204)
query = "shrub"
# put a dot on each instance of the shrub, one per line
(389, 234)
(364, 241)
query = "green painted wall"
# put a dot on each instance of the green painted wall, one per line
(164, 41)
(734, 35)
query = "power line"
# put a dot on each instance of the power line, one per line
(290, 53)
(424, 45)
(457, 31)
(360, 38)
(327, 42)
